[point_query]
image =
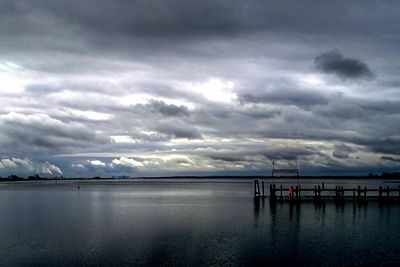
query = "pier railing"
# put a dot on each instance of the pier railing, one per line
(320, 192)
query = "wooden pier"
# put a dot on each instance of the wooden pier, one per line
(320, 193)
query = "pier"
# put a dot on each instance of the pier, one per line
(320, 192)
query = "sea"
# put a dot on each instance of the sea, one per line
(191, 222)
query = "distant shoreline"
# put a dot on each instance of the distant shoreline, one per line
(388, 176)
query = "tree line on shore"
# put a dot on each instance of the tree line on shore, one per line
(36, 177)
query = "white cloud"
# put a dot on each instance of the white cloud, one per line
(97, 163)
(216, 90)
(50, 169)
(7, 163)
(29, 167)
(127, 162)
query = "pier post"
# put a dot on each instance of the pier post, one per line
(354, 193)
(281, 193)
(299, 192)
(323, 186)
(387, 192)
(319, 192)
(315, 192)
(365, 193)
(342, 193)
(256, 189)
(359, 192)
(263, 194)
(272, 190)
(380, 193)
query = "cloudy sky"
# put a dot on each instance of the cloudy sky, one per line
(182, 87)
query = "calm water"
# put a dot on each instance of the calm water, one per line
(188, 223)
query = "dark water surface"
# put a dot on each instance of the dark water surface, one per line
(189, 223)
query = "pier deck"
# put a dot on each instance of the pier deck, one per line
(319, 193)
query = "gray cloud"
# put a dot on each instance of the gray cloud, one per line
(232, 83)
(391, 159)
(173, 17)
(178, 129)
(298, 97)
(169, 110)
(333, 62)
(342, 151)
(40, 132)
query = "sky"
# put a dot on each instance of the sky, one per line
(162, 88)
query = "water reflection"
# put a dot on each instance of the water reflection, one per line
(190, 224)
(306, 233)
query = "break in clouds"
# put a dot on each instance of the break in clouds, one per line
(145, 88)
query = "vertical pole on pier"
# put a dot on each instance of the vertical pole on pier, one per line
(323, 186)
(354, 193)
(359, 192)
(365, 193)
(256, 189)
(315, 192)
(319, 192)
(281, 193)
(272, 192)
(263, 194)
(299, 192)
(388, 192)
(380, 193)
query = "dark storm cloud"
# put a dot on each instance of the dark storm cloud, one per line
(389, 144)
(297, 97)
(169, 110)
(391, 159)
(332, 62)
(152, 18)
(248, 152)
(40, 132)
(342, 151)
(177, 129)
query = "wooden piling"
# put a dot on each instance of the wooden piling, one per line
(315, 192)
(365, 193)
(263, 193)
(272, 191)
